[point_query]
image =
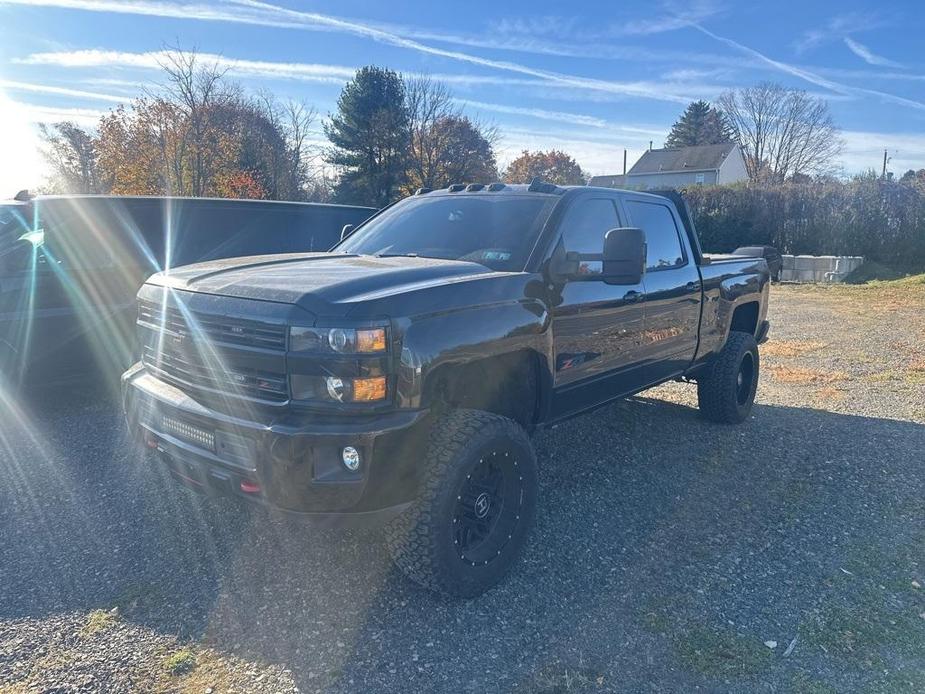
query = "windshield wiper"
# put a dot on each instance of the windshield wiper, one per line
(396, 255)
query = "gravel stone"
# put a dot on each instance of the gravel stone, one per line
(666, 549)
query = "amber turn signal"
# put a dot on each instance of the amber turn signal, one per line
(371, 340)
(369, 389)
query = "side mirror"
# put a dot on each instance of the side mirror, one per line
(624, 256)
(346, 231)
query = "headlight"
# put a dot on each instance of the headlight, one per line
(339, 340)
(336, 389)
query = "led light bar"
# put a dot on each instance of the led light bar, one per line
(182, 430)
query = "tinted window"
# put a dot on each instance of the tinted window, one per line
(662, 240)
(496, 231)
(584, 226)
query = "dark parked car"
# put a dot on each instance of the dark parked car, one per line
(70, 266)
(770, 254)
(398, 377)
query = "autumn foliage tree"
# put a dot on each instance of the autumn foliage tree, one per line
(552, 166)
(199, 136)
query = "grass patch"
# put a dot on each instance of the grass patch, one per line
(800, 375)
(714, 651)
(565, 680)
(803, 683)
(902, 682)
(871, 271)
(181, 662)
(722, 652)
(97, 621)
(865, 629)
(790, 348)
(908, 375)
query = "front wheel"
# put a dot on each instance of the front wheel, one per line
(476, 505)
(726, 391)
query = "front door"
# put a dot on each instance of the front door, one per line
(597, 327)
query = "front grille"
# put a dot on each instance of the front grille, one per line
(186, 369)
(216, 329)
(214, 354)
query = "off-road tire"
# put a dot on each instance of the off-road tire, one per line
(726, 390)
(425, 539)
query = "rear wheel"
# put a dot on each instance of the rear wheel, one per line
(476, 507)
(726, 391)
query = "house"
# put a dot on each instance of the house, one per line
(673, 168)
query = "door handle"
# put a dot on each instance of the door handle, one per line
(632, 296)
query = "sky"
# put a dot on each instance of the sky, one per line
(591, 78)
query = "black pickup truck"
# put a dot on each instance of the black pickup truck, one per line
(397, 378)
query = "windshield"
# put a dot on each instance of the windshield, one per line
(496, 231)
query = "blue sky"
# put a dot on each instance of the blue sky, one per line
(590, 78)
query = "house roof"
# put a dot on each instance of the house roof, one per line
(700, 158)
(615, 181)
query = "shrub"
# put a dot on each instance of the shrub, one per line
(884, 221)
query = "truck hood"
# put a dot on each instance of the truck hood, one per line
(314, 280)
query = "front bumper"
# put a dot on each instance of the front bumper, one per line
(289, 460)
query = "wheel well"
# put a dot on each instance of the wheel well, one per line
(508, 385)
(745, 318)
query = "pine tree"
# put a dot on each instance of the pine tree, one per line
(701, 124)
(369, 134)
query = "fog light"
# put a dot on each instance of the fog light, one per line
(351, 458)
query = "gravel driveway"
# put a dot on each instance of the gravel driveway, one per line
(787, 554)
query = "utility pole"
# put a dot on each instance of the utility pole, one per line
(624, 162)
(883, 176)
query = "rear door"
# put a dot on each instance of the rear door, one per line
(597, 327)
(672, 287)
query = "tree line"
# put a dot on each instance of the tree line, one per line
(201, 134)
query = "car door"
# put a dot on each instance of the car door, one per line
(672, 287)
(597, 327)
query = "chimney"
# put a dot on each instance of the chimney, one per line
(650, 145)
(624, 162)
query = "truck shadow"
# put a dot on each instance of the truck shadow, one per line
(652, 524)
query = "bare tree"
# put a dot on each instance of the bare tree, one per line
(428, 102)
(446, 146)
(782, 131)
(301, 158)
(199, 91)
(71, 152)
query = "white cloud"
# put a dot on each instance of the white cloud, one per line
(154, 60)
(256, 12)
(574, 118)
(863, 52)
(838, 27)
(59, 91)
(670, 17)
(812, 77)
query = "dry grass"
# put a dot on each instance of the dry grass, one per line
(917, 366)
(97, 621)
(829, 394)
(803, 376)
(790, 348)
